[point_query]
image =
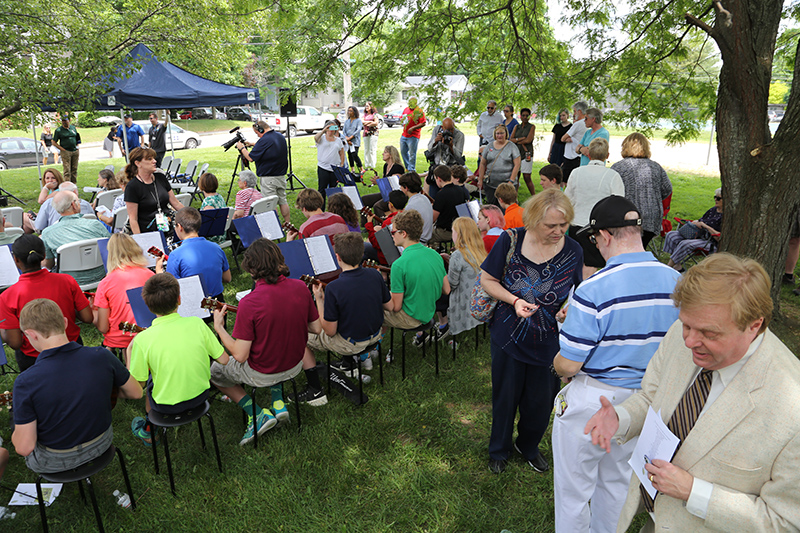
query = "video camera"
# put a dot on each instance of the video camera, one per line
(238, 138)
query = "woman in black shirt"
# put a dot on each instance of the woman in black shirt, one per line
(392, 166)
(148, 197)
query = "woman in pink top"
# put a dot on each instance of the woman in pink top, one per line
(126, 270)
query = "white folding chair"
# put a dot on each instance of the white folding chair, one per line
(120, 220)
(174, 167)
(184, 198)
(106, 198)
(268, 203)
(165, 163)
(188, 174)
(80, 256)
(110, 167)
(14, 231)
(13, 216)
(195, 189)
(90, 216)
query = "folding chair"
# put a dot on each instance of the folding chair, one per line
(80, 256)
(13, 216)
(120, 221)
(174, 168)
(268, 203)
(185, 198)
(165, 163)
(195, 190)
(228, 243)
(110, 167)
(187, 177)
(656, 244)
(106, 198)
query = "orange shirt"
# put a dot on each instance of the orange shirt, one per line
(513, 216)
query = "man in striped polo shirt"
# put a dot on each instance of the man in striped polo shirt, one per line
(615, 322)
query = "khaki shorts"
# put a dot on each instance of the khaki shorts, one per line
(236, 373)
(400, 319)
(338, 344)
(274, 185)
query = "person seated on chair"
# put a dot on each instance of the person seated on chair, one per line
(208, 184)
(271, 332)
(418, 276)
(62, 404)
(170, 358)
(491, 222)
(341, 204)
(372, 249)
(48, 215)
(196, 255)
(351, 309)
(106, 216)
(37, 282)
(72, 227)
(311, 203)
(247, 193)
(444, 206)
(551, 176)
(507, 198)
(411, 185)
(460, 176)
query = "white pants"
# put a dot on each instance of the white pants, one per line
(370, 144)
(583, 472)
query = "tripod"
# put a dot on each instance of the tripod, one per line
(4, 193)
(245, 165)
(291, 175)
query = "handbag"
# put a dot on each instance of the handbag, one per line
(690, 231)
(481, 305)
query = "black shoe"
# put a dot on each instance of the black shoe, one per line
(538, 463)
(346, 365)
(788, 279)
(443, 333)
(497, 466)
(310, 396)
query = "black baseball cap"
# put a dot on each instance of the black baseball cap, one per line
(128, 116)
(610, 213)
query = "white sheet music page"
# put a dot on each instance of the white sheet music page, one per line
(191, 296)
(474, 208)
(269, 225)
(145, 241)
(320, 255)
(9, 274)
(352, 193)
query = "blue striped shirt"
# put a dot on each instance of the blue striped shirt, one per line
(618, 317)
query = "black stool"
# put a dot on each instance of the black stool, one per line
(255, 415)
(83, 473)
(164, 421)
(373, 346)
(423, 328)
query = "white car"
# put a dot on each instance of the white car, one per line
(181, 138)
(308, 118)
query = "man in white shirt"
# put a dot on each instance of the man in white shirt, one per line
(737, 463)
(487, 122)
(572, 158)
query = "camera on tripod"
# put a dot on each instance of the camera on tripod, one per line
(238, 138)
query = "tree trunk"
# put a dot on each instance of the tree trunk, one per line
(760, 185)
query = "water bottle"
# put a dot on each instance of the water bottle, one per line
(365, 378)
(123, 500)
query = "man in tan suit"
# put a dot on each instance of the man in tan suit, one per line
(738, 465)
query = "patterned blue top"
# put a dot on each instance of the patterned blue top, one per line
(532, 340)
(619, 316)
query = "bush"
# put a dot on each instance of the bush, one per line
(87, 119)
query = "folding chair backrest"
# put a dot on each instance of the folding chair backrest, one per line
(79, 256)
(228, 223)
(13, 216)
(268, 203)
(110, 167)
(184, 198)
(106, 198)
(120, 220)
(202, 169)
(191, 167)
(14, 231)
(174, 167)
(166, 162)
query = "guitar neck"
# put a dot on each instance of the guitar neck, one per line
(367, 212)
(288, 226)
(376, 266)
(212, 304)
(311, 281)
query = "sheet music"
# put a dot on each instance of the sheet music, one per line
(269, 225)
(394, 181)
(9, 274)
(655, 441)
(191, 296)
(145, 241)
(474, 209)
(352, 192)
(320, 255)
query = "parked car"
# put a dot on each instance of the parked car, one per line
(186, 115)
(309, 119)
(181, 138)
(18, 152)
(393, 118)
(238, 113)
(200, 113)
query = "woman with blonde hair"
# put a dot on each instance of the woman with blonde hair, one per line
(646, 183)
(500, 162)
(465, 264)
(127, 269)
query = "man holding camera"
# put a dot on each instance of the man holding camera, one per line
(271, 157)
(446, 146)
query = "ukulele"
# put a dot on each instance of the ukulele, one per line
(288, 226)
(311, 280)
(130, 329)
(157, 253)
(211, 304)
(367, 212)
(369, 263)
(5, 399)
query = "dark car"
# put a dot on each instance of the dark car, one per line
(200, 113)
(17, 152)
(393, 118)
(238, 113)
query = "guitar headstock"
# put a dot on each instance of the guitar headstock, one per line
(288, 226)
(130, 329)
(157, 252)
(211, 304)
(5, 399)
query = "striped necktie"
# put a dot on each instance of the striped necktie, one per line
(684, 417)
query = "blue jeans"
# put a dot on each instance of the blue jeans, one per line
(408, 150)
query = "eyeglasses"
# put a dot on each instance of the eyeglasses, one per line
(718, 198)
(395, 231)
(489, 107)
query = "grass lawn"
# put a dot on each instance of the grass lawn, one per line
(412, 459)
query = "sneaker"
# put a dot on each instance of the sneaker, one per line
(315, 398)
(281, 414)
(345, 366)
(389, 357)
(420, 338)
(442, 332)
(538, 463)
(139, 429)
(497, 466)
(265, 422)
(366, 364)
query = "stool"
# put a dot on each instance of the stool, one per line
(255, 416)
(373, 346)
(83, 473)
(165, 421)
(423, 328)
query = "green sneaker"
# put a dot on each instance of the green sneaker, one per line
(265, 422)
(139, 429)
(279, 408)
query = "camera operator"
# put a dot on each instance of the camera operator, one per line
(446, 147)
(270, 155)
